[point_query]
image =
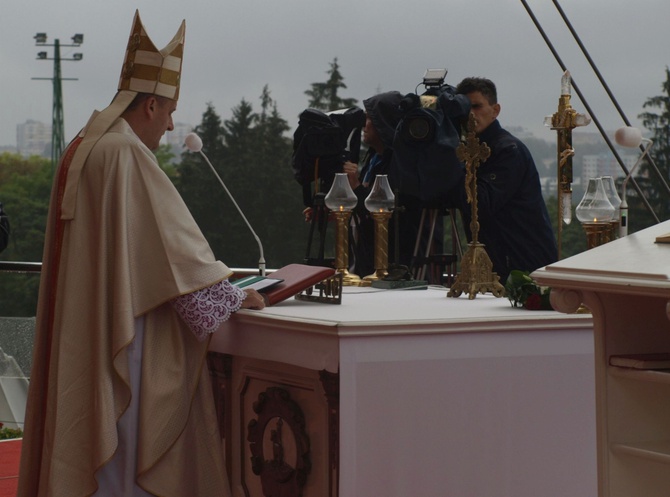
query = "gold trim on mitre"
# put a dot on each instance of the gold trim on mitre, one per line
(149, 70)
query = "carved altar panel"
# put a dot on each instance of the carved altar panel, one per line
(282, 431)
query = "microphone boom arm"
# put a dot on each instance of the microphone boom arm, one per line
(261, 260)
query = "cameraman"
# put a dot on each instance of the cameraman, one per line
(514, 223)
(382, 117)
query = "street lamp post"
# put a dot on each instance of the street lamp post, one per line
(57, 126)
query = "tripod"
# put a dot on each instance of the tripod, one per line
(319, 220)
(428, 262)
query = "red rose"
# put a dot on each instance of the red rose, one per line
(533, 302)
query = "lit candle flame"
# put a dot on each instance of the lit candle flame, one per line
(341, 208)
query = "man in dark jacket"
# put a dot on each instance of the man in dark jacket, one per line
(514, 224)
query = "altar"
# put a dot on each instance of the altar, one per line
(407, 393)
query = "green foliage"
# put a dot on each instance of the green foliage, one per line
(657, 121)
(165, 159)
(573, 238)
(25, 188)
(252, 157)
(9, 433)
(325, 96)
(522, 291)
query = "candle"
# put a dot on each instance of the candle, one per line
(565, 83)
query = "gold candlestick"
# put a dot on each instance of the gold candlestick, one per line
(380, 202)
(564, 120)
(597, 233)
(381, 220)
(342, 248)
(341, 199)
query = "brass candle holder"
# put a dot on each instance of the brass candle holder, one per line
(380, 202)
(564, 120)
(476, 274)
(597, 233)
(342, 248)
(341, 199)
(381, 220)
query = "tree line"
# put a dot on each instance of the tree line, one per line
(252, 154)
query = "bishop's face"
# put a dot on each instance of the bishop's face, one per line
(161, 121)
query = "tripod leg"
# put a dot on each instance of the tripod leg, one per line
(415, 269)
(429, 243)
(456, 248)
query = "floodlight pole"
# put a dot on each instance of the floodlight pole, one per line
(57, 124)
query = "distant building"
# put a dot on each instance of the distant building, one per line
(604, 164)
(33, 138)
(8, 148)
(176, 137)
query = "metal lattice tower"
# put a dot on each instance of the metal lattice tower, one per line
(57, 124)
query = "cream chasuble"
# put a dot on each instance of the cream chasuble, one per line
(131, 247)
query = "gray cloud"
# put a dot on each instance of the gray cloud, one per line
(234, 48)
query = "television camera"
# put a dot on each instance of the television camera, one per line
(427, 137)
(427, 167)
(322, 143)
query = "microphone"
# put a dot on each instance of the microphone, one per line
(194, 143)
(632, 138)
(628, 137)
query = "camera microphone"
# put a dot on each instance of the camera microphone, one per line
(194, 143)
(409, 102)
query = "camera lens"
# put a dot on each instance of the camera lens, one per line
(419, 129)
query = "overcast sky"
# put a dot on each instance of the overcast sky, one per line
(233, 48)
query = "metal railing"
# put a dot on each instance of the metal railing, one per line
(16, 347)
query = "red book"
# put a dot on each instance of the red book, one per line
(296, 278)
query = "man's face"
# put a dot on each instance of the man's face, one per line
(161, 121)
(370, 136)
(484, 112)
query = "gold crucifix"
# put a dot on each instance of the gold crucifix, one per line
(476, 274)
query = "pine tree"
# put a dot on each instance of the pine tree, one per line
(285, 228)
(658, 122)
(325, 96)
(197, 184)
(25, 188)
(252, 156)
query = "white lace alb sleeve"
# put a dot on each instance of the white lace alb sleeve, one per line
(204, 310)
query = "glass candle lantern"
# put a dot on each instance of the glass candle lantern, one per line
(595, 212)
(341, 199)
(615, 200)
(380, 203)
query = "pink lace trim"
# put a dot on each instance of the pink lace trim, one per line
(204, 310)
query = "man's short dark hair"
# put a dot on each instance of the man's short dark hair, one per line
(140, 98)
(484, 86)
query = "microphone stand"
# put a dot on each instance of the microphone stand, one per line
(261, 260)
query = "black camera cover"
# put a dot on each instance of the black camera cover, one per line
(322, 143)
(425, 146)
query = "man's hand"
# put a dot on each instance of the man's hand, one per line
(352, 173)
(254, 300)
